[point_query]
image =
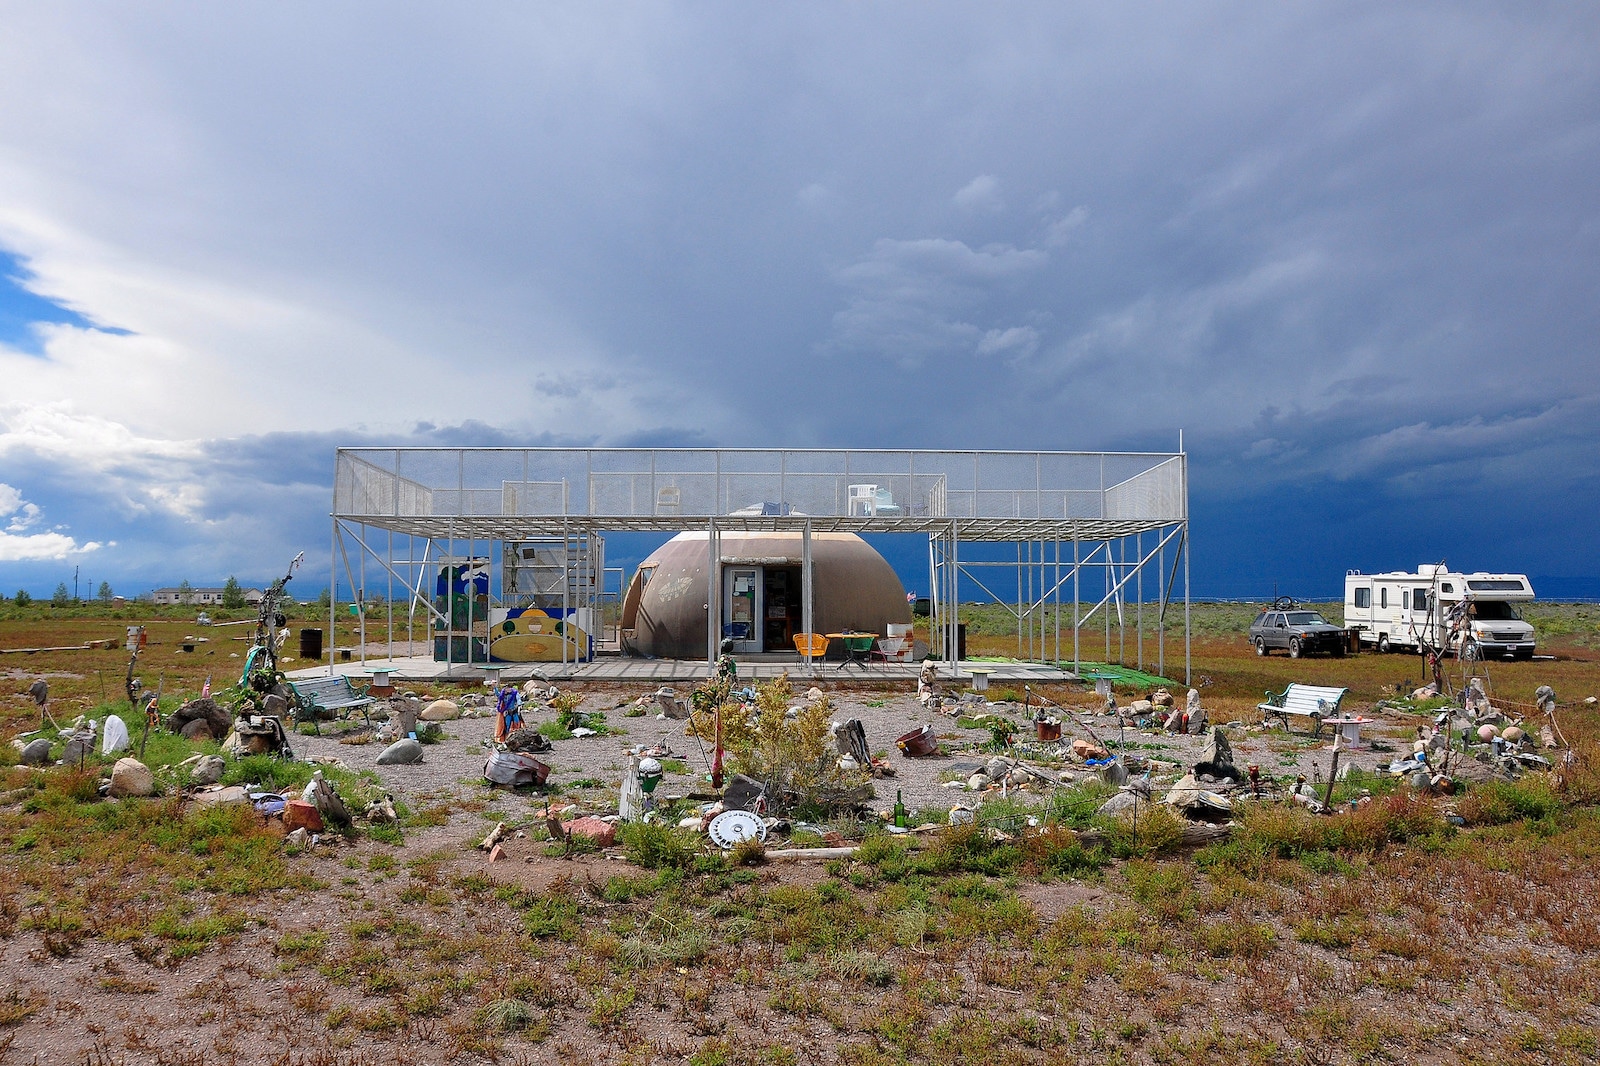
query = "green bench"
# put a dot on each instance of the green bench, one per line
(316, 694)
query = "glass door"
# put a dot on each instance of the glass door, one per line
(742, 608)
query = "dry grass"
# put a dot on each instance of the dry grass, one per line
(1387, 934)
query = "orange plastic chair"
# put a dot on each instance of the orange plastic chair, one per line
(813, 645)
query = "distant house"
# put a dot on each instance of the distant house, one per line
(207, 597)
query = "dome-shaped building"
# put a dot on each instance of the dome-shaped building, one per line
(664, 611)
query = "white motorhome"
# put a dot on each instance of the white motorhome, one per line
(1471, 614)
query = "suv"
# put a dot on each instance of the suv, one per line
(1301, 632)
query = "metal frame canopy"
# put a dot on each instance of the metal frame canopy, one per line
(1109, 500)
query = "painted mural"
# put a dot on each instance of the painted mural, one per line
(537, 635)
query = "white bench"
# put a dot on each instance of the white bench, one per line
(1315, 702)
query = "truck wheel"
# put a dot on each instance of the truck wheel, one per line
(1261, 646)
(1294, 647)
(1383, 644)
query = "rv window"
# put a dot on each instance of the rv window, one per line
(1405, 599)
(1419, 599)
(1447, 587)
(1363, 597)
(1496, 585)
(1383, 597)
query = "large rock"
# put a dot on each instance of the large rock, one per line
(1217, 758)
(36, 752)
(130, 777)
(218, 720)
(197, 731)
(401, 752)
(441, 711)
(208, 771)
(601, 833)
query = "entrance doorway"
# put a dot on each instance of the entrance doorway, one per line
(741, 607)
(760, 607)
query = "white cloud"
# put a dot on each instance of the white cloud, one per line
(982, 193)
(16, 545)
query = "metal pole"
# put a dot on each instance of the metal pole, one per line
(1188, 663)
(806, 591)
(713, 591)
(1138, 549)
(333, 587)
(1075, 571)
(1161, 619)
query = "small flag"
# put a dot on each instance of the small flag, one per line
(205, 689)
(911, 598)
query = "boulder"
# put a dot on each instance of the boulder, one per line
(405, 715)
(1217, 758)
(197, 731)
(998, 766)
(1487, 733)
(601, 833)
(1514, 735)
(441, 711)
(1084, 749)
(225, 794)
(130, 777)
(208, 771)
(36, 752)
(526, 740)
(275, 705)
(1191, 703)
(218, 720)
(1198, 722)
(401, 752)
(79, 747)
(298, 814)
(1161, 698)
(1138, 709)
(1122, 801)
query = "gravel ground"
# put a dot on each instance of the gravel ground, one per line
(454, 765)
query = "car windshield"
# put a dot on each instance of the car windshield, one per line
(1305, 618)
(1496, 611)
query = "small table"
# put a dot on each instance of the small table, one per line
(1349, 729)
(857, 646)
(491, 676)
(980, 677)
(380, 681)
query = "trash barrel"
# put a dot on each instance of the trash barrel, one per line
(311, 644)
(961, 641)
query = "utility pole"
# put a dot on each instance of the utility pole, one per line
(74, 584)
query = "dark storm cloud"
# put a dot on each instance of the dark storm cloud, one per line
(1351, 250)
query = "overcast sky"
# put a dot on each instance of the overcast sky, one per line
(1351, 250)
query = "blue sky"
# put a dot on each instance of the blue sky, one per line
(1352, 251)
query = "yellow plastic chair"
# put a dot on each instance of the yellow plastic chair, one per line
(811, 645)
